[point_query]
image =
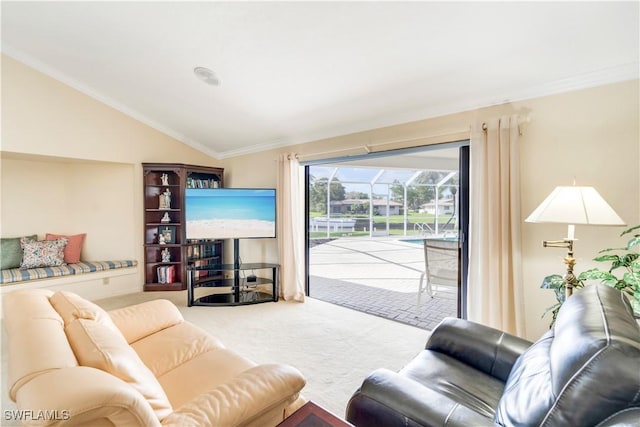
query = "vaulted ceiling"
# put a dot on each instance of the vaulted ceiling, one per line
(292, 72)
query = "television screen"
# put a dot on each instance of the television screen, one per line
(230, 213)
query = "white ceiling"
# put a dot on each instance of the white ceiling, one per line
(293, 72)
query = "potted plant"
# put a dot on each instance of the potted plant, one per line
(624, 270)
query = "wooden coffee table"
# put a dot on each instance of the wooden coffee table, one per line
(312, 415)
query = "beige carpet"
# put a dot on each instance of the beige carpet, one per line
(334, 347)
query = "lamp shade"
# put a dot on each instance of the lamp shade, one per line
(575, 205)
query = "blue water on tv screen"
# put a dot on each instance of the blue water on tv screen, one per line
(230, 213)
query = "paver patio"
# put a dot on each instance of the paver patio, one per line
(378, 276)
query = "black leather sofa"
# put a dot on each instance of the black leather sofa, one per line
(583, 372)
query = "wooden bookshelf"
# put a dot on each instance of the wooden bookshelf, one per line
(164, 221)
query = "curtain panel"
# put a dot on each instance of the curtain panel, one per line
(291, 228)
(495, 288)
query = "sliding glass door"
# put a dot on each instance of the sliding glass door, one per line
(368, 219)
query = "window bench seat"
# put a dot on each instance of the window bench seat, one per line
(93, 280)
(15, 276)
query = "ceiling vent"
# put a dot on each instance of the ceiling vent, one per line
(207, 76)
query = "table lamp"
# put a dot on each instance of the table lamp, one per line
(573, 205)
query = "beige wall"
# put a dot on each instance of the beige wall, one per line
(73, 164)
(592, 135)
(70, 197)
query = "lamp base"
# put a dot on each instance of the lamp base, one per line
(569, 278)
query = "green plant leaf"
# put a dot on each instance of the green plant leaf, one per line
(623, 286)
(618, 264)
(605, 277)
(608, 258)
(550, 308)
(635, 303)
(632, 278)
(613, 282)
(554, 309)
(553, 281)
(633, 242)
(595, 274)
(556, 283)
(629, 230)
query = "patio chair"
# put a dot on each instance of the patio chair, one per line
(440, 266)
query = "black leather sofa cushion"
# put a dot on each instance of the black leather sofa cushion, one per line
(464, 385)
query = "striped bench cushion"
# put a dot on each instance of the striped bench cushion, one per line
(93, 266)
(17, 275)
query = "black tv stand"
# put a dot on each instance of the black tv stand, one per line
(216, 289)
(236, 253)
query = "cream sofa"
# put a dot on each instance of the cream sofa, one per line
(72, 363)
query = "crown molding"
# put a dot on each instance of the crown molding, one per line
(601, 77)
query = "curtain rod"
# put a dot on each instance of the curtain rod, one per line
(401, 143)
(521, 121)
(355, 150)
(404, 143)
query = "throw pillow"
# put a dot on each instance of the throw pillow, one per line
(11, 251)
(44, 253)
(74, 247)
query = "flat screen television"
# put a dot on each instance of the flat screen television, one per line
(230, 213)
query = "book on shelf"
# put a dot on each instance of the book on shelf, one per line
(202, 183)
(209, 251)
(166, 274)
(201, 251)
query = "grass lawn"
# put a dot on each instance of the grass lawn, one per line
(337, 234)
(412, 218)
(380, 223)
